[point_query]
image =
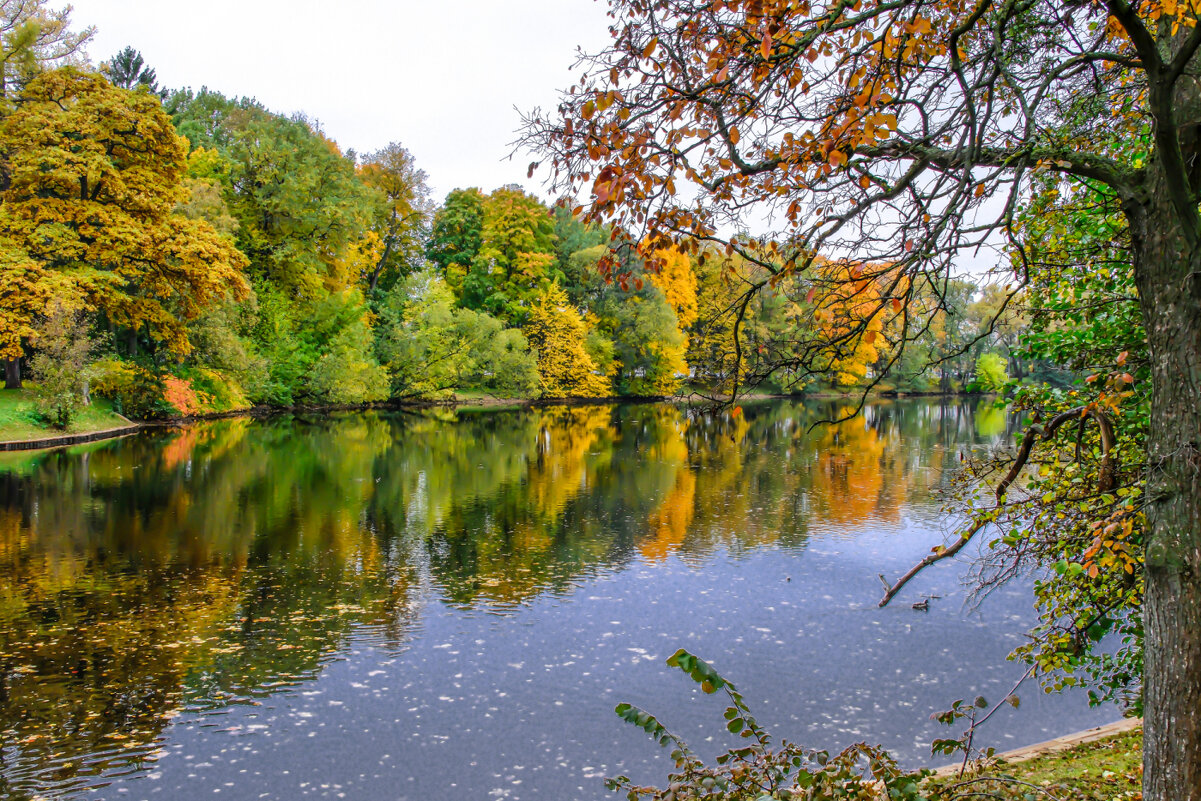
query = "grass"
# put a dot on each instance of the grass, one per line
(1105, 770)
(19, 418)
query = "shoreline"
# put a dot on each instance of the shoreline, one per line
(263, 412)
(1056, 745)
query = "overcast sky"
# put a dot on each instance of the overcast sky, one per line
(441, 79)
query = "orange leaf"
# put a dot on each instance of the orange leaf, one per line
(1122, 358)
(896, 304)
(765, 45)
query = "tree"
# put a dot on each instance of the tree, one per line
(990, 372)
(95, 177)
(634, 329)
(26, 288)
(277, 167)
(515, 263)
(430, 347)
(61, 364)
(909, 134)
(34, 38)
(127, 70)
(556, 331)
(678, 284)
(403, 212)
(456, 235)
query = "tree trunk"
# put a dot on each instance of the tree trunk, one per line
(12, 373)
(1168, 273)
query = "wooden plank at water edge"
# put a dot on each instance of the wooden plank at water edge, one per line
(67, 439)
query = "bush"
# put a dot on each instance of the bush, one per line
(134, 391)
(759, 771)
(991, 373)
(220, 392)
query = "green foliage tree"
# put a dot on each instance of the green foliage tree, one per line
(456, 235)
(516, 260)
(277, 167)
(637, 331)
(431, 347)
(128, 70)
(991, 375)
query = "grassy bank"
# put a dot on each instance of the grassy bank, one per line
(19, 418)
(1105, 770)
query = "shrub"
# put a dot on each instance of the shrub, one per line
(991, 372)
(134, 390)
(759, 772)
(61, 362)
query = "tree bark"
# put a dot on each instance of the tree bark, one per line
(1168, 274)
(12, 373)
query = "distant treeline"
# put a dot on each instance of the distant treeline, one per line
(182, 252)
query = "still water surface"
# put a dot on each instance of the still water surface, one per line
(448, 605)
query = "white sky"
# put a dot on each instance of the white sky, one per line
(442, 79)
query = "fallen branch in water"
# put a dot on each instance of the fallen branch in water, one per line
(1105, 483)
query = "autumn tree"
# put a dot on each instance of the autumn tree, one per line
(556, 331)
(26, 287)
(34, 38)
(515, 263)
(95, 177)
(677, 281)
(402, 215)
(909, 134)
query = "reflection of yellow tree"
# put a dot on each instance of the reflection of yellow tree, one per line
(669, 523)
(559, 469)
(849, 480)
(126, 597)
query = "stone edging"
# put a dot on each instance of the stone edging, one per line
(1058, 744)
(68, 439)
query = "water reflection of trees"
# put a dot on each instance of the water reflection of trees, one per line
(216, 564)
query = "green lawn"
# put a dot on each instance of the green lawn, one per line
(19, 420)
(1106, 770)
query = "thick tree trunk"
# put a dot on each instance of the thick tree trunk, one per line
(12, 373)
(1168, 272)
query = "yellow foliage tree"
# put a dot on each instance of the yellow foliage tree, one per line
(848, 312)
(678, 283)
(556, 330)
(96, 175)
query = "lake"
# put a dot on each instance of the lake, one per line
(445, 604)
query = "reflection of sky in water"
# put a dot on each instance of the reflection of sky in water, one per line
(441, 610)
(520, 706)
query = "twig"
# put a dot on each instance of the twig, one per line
(1105, 483)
